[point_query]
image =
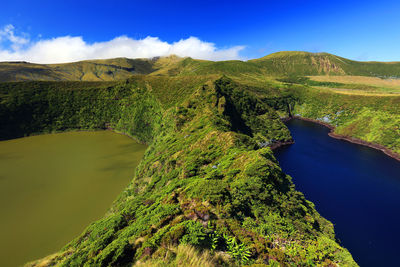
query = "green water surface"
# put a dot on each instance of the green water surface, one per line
(53, 186)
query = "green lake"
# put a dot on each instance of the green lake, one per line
(53, 186)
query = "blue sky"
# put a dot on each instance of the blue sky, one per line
(360, 30)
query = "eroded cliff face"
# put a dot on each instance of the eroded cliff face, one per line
(207, 181)
(326, 66)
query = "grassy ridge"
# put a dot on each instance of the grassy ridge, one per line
(206, 180)
(90, 70)
(282, 64)
(304, 63)
(277, 64)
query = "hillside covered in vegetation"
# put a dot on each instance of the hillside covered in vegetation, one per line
(208, 179)
(208, 191)
(277, 64)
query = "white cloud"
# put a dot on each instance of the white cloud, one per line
(7, 34)
(69, 48)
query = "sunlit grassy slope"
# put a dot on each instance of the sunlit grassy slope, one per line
(304, 63)
(90, 70)
(277, 64)
(360, 85)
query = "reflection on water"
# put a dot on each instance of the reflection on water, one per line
(53, 186)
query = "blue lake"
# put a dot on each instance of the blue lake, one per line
(357, 188)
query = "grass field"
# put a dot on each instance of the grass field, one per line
(360, 85)
(348, 91)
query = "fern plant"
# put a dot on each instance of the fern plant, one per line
(215, 237)
(238, 251)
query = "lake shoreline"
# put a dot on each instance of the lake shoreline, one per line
(347, 181)
(108, 128)
(281, 144)
(47, 177)
(126, 134)
(354, 140)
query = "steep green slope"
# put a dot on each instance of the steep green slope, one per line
(300, 63)
(305, 63)
(207, 180)
(35, 107)
(374, 119)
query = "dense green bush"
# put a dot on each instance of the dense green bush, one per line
(36, 107)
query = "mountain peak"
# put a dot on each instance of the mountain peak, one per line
(283, 54)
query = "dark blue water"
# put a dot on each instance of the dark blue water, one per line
(357, 188)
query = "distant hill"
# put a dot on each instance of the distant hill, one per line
(304, 63)
(90, 70)
(290, 63)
